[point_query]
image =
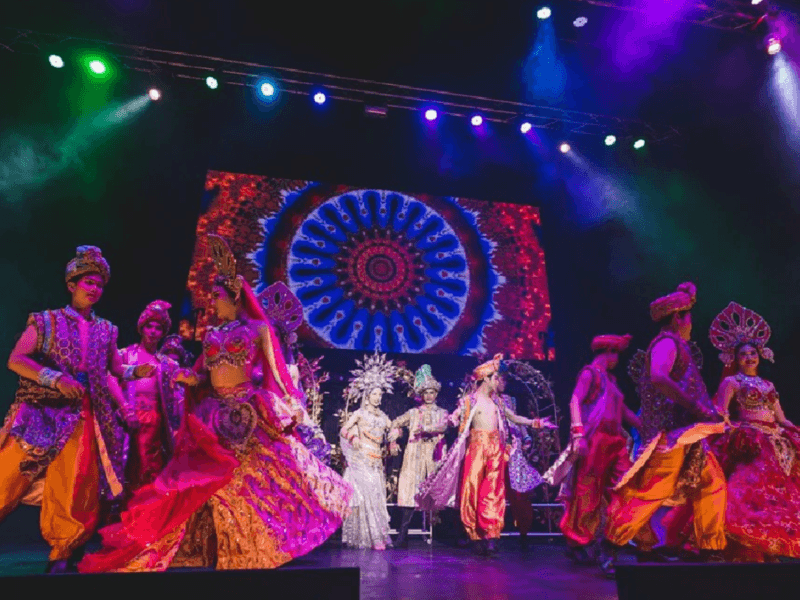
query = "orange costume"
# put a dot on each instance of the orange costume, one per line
(675, 466)
(607, 458)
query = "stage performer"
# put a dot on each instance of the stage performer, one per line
(521, 477)
(240, 491)
(426, 425)
(598, 445)
(675, 465)
(362, 439)
(62, 444)
(155, 403)
(172, 347)
(474, 469)
(760, 454)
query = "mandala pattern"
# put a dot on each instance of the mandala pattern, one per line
(385, 271)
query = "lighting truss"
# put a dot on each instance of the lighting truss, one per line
(730, 15)
(162, 64)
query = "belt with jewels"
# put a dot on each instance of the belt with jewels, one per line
(234, 419)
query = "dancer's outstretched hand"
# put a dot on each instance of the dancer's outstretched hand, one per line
(546, 423)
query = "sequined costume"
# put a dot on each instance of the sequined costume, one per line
(675, 465)
(368, 524)
(521, 477)
(241, 490)
(59, 453)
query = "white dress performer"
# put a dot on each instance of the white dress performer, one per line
(362, 438)
(426, 426)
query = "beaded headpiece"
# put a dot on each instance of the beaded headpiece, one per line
(738, 325)
(374, 371)
(157, 311)
(611, 343)
(283, 308)
(683, 298)
(225, 262)
(424, 380)
(89, 260)
(488, 368)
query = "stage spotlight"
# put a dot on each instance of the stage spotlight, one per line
(97, 66)
(267, 89)
(564, 148)
(431, 114)
(580, 21)
(544, 13)
(610, 140)
(154, 94)
(319, 98)
(55, 61)
(525, 127)
(639, 144)
(212, 82)
(754, 2)
(773, 45)
(477, 120)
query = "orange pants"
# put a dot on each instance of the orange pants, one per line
(483, 486)
(595, 474)
(147, 455)
(631, 509)
(70, 499)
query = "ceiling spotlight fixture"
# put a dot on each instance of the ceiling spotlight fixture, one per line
(525, 127)
(773, 45)
(610, 140)
(319, 98)
(564, 148)
(580, 21)
(154, 94)
(55, 61)
(639, 144)
(754, 2)
(544, 13)
(477, 120)
(212, 82)
(431, 114)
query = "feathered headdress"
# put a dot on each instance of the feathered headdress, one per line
(374, 371)
(424, 380)
(225, 262)
(739, 325)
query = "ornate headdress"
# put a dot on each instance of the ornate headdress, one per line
(172, 344)
(374, 371)
(488, 368)
(683, 298)
(283, 308)
(225, 262)
(89, 260)
(611, 343)
(739, 325)
(424, 380)
(157, 311)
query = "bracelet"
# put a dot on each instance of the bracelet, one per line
(128, 373)
(578, 428)
(49, 378)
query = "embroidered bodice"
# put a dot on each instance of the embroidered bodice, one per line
(755, 393)
(234, 343)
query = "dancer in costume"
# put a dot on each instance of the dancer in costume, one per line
(62, 443)
(521, 477)
(241, 491)
(473, 472)
(155, 403)
(362, 438)
(426, 425)
(598, 444)
(760, 454)
(675, 465)
(172, 347)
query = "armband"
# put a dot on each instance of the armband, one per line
(49, 378)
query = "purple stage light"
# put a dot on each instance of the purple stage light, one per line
(525, 127)
(564, 148)
(580, 21)
(773, 45)
(319, 98)
(431, 114)
(477, 120)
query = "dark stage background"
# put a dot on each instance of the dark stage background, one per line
(619, 228)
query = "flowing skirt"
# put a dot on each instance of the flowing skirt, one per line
(368, 523)
(239, 493)
(763, 513)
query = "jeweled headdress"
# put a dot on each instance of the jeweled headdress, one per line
(225, 262)
(374, 371)
(683, 298)
(739, 325)
(611, 343)
(488, 368)
(424, 380)
(89, 260)
(157, 311)
(283, 308)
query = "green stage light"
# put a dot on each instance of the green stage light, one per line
(97, 66)
(55, 61)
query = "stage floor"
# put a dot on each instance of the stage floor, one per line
(424, 572)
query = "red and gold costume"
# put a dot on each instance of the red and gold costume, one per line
(607, 460)
(675, 465)
(759, 455)
(56, 452)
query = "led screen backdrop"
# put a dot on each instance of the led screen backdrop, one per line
(382, 270)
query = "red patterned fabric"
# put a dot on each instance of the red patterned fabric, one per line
(763, 512)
